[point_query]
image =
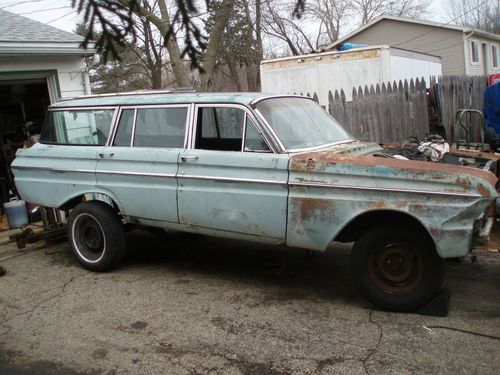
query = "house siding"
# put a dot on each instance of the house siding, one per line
(445, 43)
(479, 68)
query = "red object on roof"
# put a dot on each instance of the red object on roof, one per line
(493, 78)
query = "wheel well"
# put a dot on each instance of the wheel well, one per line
(73, 202)
(368, 220)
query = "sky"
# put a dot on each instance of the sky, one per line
(58, 13)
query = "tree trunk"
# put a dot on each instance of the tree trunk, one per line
(221, 19)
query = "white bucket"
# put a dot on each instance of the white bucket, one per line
(16, 212)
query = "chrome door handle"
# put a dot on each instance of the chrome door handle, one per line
(106, 154)
(189, 157)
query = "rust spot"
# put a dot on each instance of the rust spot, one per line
(379, 204)
(483, 190)
(463, 181)
(308, 209)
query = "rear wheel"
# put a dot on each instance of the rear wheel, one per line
(96, 236)
(395, 268)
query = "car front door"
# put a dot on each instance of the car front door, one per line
(229, 179)
(139, 166)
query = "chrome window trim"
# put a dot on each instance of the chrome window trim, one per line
(132, 137)
(87, 108)
(256, 100)
(232, 179)
(247, 111)
(397, 190)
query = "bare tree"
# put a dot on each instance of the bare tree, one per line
(370, 9)
(331, 14)
(278, 23)
(479, 14)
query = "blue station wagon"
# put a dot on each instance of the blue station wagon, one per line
(273, 169)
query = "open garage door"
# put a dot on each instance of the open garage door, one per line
(23, 105)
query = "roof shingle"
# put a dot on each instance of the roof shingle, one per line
(16, 28)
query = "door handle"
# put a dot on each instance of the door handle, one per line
(189, 157)
(106, 154)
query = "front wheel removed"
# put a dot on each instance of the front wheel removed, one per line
(396, 269)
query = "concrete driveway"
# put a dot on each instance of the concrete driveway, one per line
(198, 305)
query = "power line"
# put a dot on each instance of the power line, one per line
(444, 24)
(58, 18)
(45, 10)
(20, 3)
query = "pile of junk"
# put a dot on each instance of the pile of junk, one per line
(469, 124)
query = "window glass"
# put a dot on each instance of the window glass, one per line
(77, 127)
(301, 123)
(253, 139)
(220, 128)
(124, 131)
(474, 47)
(160, 127)
(494, 56)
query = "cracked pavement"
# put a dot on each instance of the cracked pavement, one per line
(200, 305)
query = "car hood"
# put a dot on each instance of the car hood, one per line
(363, 165)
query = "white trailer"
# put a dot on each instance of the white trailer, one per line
(329, 71)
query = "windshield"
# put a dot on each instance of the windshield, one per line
(301, 123)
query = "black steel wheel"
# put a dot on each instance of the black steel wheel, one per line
(396, 269)
(96, 235)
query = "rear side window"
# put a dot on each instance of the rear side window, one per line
(154, 127)
(160, 127)
(77, 127)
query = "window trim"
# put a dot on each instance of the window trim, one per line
(81, 109)
(471, 49)
(248, 114)
(494, 47)
(157, 106)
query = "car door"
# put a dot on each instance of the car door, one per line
(139, 166)
(229, 179)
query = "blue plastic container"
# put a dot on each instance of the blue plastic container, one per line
(16, 213)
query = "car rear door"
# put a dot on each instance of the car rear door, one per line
(139, 166)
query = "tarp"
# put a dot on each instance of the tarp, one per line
(491, 107)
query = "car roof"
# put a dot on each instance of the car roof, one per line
(160, 97)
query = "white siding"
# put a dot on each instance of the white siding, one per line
(485, 59)
(71, 73)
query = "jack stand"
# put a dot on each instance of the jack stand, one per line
(473, 257)
(437, 306)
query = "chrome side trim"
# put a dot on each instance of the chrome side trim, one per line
(61, 170)
(397, 190)
(233, 179)
(142, 174)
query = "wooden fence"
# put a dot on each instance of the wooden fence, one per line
(459, 92)
(390, 113)
(383, 113)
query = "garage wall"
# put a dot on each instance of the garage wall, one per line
(69, 81)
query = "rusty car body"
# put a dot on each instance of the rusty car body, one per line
(275, 169)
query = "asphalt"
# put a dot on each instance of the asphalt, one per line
(200, 305)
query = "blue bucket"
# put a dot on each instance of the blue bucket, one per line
(16, 213)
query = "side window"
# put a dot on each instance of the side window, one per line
(77, 127)
(220, 128)
(160, 127)
(253, 139)
(124, 132)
